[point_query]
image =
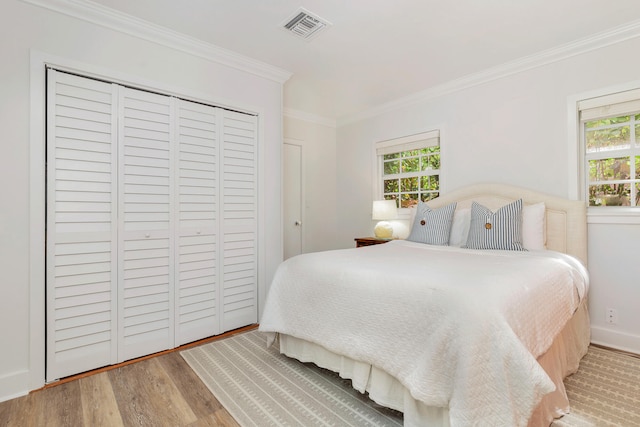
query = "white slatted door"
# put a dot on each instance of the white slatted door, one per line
(197, 230)
(239, 220)
(151, 223)
(81, 224)
(146, 259)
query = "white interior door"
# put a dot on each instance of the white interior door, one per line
(197, 250)
(152, 213)
(239, 228)
(81, 224)
(145, 224)
(292, 195)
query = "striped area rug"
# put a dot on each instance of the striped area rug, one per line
(260, 387)
(604, 392)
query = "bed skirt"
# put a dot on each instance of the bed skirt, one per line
(559, 361)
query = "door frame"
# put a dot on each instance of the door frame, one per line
(33, 377)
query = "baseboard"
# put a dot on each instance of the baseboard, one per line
(615, 339)
(14, 385)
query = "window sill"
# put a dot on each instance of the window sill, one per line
(613, 215)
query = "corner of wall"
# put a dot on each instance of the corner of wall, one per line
(14, 385)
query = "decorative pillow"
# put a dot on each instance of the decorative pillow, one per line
(432, 226)
(533, 227)
(460, 227)
(501, 229)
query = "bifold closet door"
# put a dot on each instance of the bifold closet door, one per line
(145, 224)
(239, 220)
(81, 224)
(197, 195)
(151, 222)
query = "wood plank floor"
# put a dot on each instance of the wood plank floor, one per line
(157, 391)
(160, 390)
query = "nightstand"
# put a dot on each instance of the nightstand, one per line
(368, 241)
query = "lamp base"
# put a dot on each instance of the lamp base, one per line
(383, 230)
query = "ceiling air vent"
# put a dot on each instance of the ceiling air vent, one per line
(305, 24)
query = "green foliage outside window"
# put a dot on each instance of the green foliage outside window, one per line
(613, 160)
(412, 176)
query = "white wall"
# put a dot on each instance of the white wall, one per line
(615, 283)
(318, 143)
(24, 29)
(511, 130)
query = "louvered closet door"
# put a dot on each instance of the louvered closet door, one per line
(81, 224)
(151, 223)
(239, 220)
(197, 230)
(146, 261)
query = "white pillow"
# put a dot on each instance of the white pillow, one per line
(533, 227)
(460, 227)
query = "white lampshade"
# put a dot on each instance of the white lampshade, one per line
(384, 209)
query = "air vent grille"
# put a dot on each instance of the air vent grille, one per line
(305, 24)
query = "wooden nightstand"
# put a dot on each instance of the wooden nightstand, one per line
(368, 241)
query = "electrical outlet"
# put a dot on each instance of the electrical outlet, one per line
(612, 315)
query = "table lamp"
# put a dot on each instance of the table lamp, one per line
(384, 210)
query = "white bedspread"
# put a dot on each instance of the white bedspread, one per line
(459, 328)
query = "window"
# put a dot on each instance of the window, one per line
(610, 132)
(409, 168)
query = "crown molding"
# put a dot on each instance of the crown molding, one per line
(309, 117)
(597, 41)
(109, 18)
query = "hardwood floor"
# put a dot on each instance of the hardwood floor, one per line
(160, 390)
(156, 391)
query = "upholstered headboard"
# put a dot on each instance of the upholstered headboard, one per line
(566, 220)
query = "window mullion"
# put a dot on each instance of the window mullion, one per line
(632, 161)
(428, 172)
(610, 154)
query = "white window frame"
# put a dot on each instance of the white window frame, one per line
(411, 142)
(577, 167)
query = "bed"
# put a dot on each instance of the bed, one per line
(450, 336)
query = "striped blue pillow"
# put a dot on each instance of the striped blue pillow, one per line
(501, 229)
(432, 226)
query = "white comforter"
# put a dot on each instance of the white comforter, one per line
(459, 328)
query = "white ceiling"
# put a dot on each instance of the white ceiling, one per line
(378, 51)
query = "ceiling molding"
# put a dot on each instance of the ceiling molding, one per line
(308, 117)
(562, 52)
(109, 18)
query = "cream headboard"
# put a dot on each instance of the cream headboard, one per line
(566, 220)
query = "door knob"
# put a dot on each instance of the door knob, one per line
(297, 223)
